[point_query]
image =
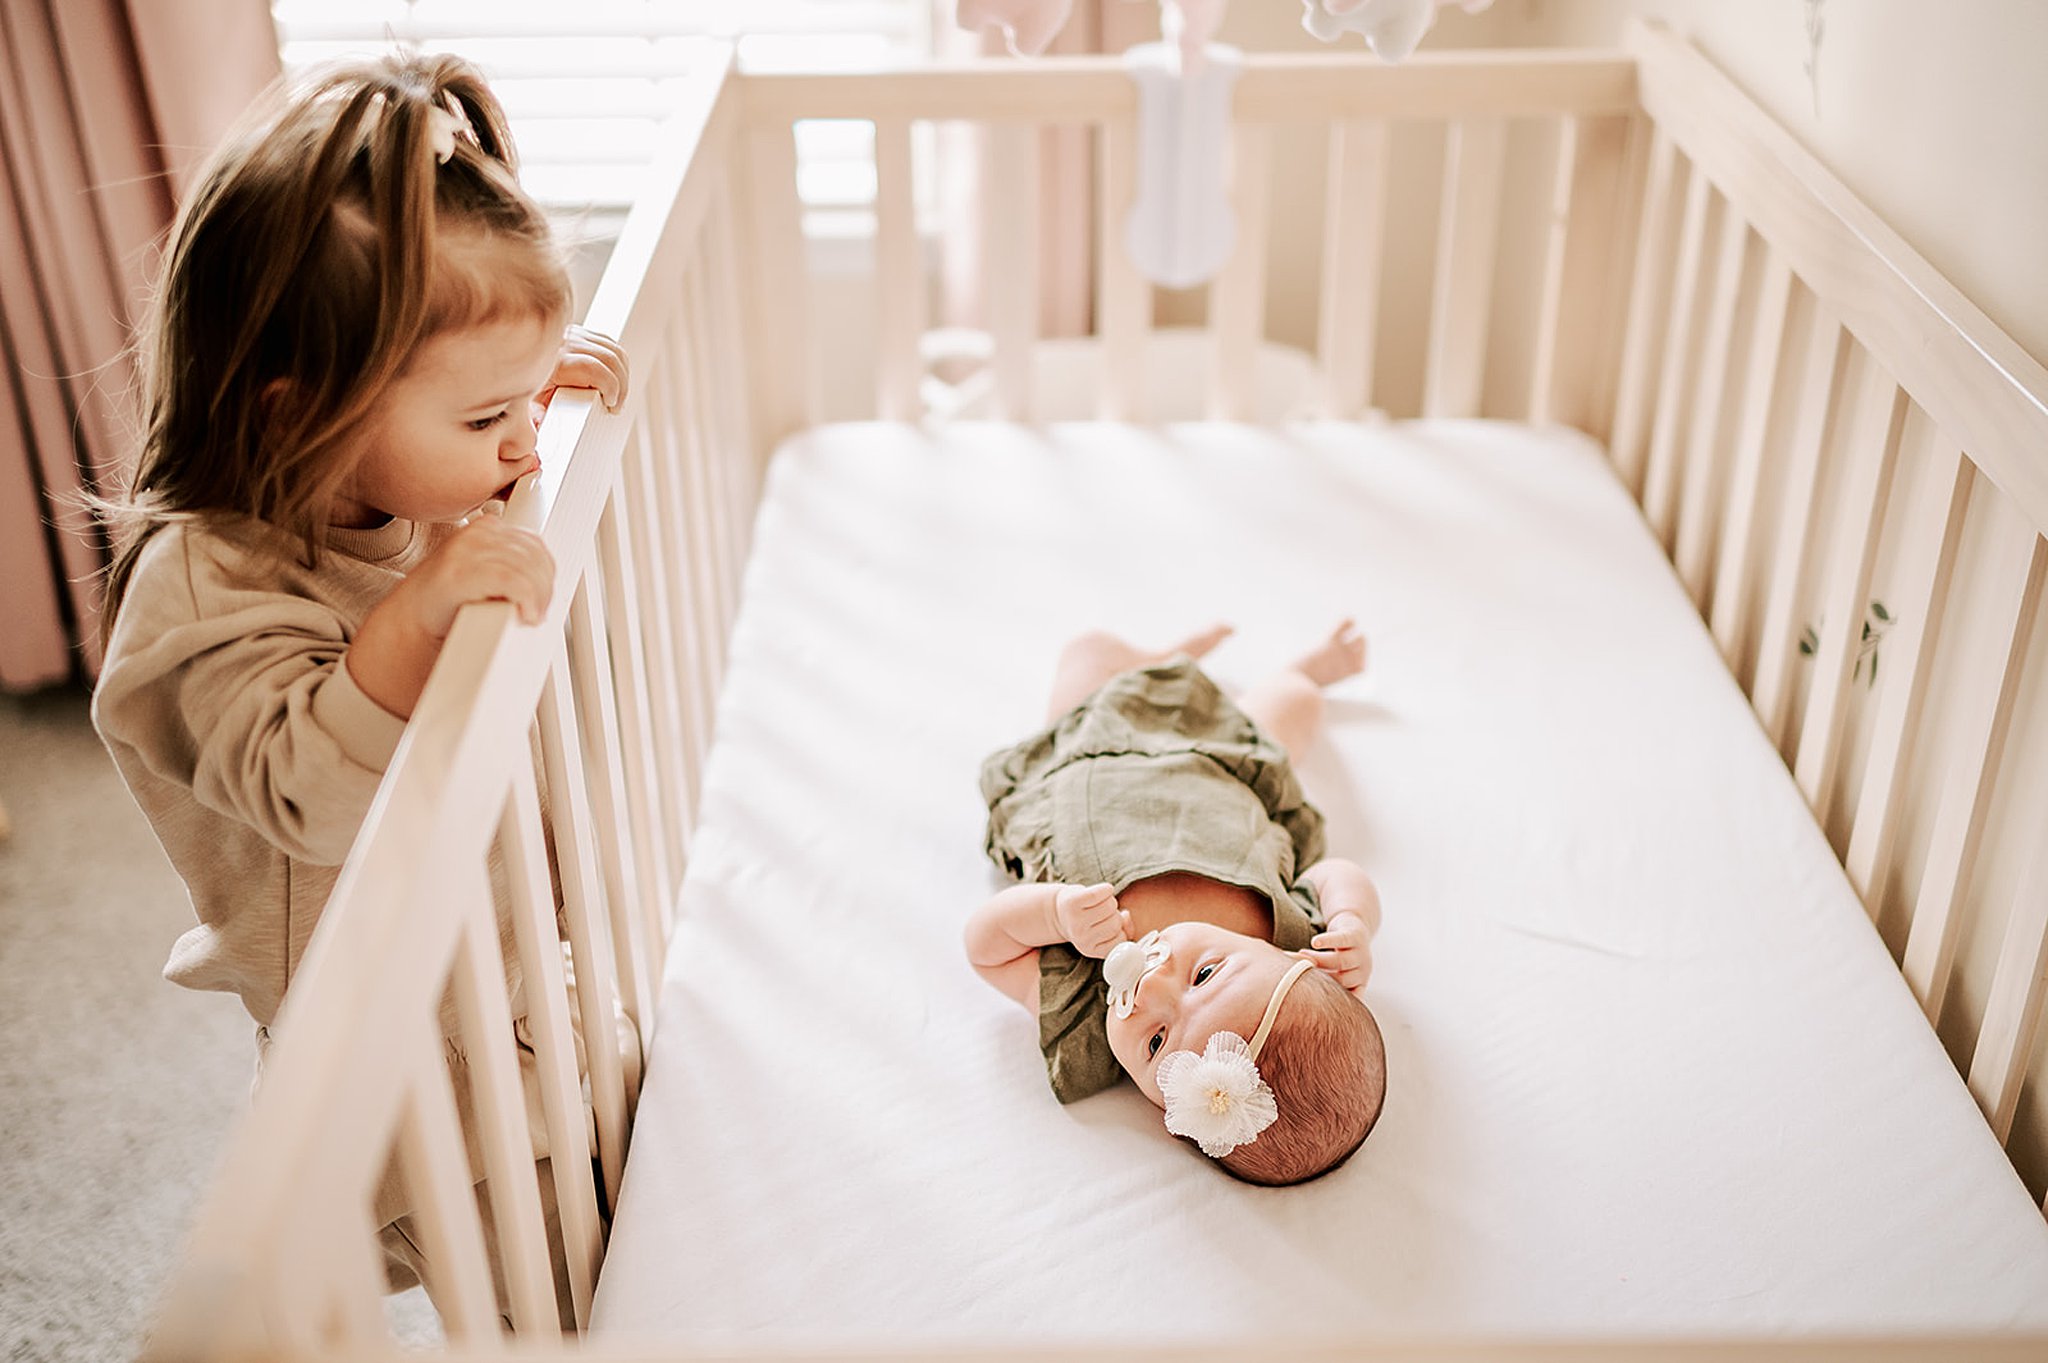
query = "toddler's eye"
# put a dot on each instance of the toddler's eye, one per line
(485, 423)
(1202, 975)
(1152, 1046)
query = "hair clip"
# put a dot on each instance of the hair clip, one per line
(443, 125)
(1127, 965)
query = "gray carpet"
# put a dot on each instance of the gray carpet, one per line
(117, 1089)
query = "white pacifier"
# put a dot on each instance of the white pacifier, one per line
(1126, 967)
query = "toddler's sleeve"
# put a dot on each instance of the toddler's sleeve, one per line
(249, 705)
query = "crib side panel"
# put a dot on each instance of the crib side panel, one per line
(1844, 458)
(526, 847)
(975, 200)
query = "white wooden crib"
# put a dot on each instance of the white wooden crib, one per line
(1761, 355)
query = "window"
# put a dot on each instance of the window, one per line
(585, 82)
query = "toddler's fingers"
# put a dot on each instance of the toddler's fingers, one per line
(604, 350)
(586, 371)
(1130, 931)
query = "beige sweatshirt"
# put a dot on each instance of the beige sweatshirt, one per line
(237, 726)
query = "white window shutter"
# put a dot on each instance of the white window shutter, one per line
(585, 83)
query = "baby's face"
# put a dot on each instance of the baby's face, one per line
(1214, 981)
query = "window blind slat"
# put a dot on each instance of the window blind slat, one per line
(585, 85)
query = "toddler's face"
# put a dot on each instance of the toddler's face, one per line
(457, 427)
(1215, 980)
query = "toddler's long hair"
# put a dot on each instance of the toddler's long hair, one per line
(323, 244)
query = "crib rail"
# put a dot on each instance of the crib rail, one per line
(1808, 414)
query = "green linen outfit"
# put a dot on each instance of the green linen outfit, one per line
(1157, 771)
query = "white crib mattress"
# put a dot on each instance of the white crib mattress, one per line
(1650, 1070)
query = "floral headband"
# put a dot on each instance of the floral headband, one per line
(1217, 1097)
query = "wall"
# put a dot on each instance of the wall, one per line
(1932, 113)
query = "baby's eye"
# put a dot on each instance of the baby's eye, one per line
(485, 423)
(1152, 1046)
(1202, 975)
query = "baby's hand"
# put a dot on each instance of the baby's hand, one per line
(1344, 949)
(588, 359)
(1088, 916)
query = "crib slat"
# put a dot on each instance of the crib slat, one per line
(1873, 453)
(1237, 299)
(1581, 259)
(711, 577)
(2012, 1017)
(1354, 241)
(1123, 298)
(704, 535)
(1675, 380)
(779, 330)
(359, 1320)
(730, 472)
(712, 468)
(1010, 267)
(651, 553)
(731, 329)
(1705, 467)
(597, 724)
(1649, 299)
(498, 1099)
(547, 1023)
(444, 1205)
(899, 280)
(1730, 603)
(589, 949)
(2020, 560)
(684, 553)
(1934, 536)
(1799, 511)
(1474, 155)
(636, 721)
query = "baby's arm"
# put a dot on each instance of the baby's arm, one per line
(1351, 909)
(1003, 935)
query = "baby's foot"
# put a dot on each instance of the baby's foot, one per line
(1197, 645)
(1341, 655)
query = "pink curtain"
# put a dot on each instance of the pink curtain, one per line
(1066, 235)
(104, 107)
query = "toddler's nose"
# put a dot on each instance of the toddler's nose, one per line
(520, 439)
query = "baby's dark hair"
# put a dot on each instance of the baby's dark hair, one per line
(323, 243)
(1327, 1067)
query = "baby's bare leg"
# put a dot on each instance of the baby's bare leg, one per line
(1093, 658)
(1289, 704)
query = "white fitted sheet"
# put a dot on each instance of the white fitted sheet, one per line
(1650, 1070)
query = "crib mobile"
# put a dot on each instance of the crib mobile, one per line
(1181, 229)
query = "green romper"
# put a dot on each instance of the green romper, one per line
(1156, 771)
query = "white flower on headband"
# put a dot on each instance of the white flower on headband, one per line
(1217, 1097)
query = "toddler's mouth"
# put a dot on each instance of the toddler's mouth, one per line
(504, 494)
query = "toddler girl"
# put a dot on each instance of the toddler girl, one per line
(360, 318)
(1159, 825)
